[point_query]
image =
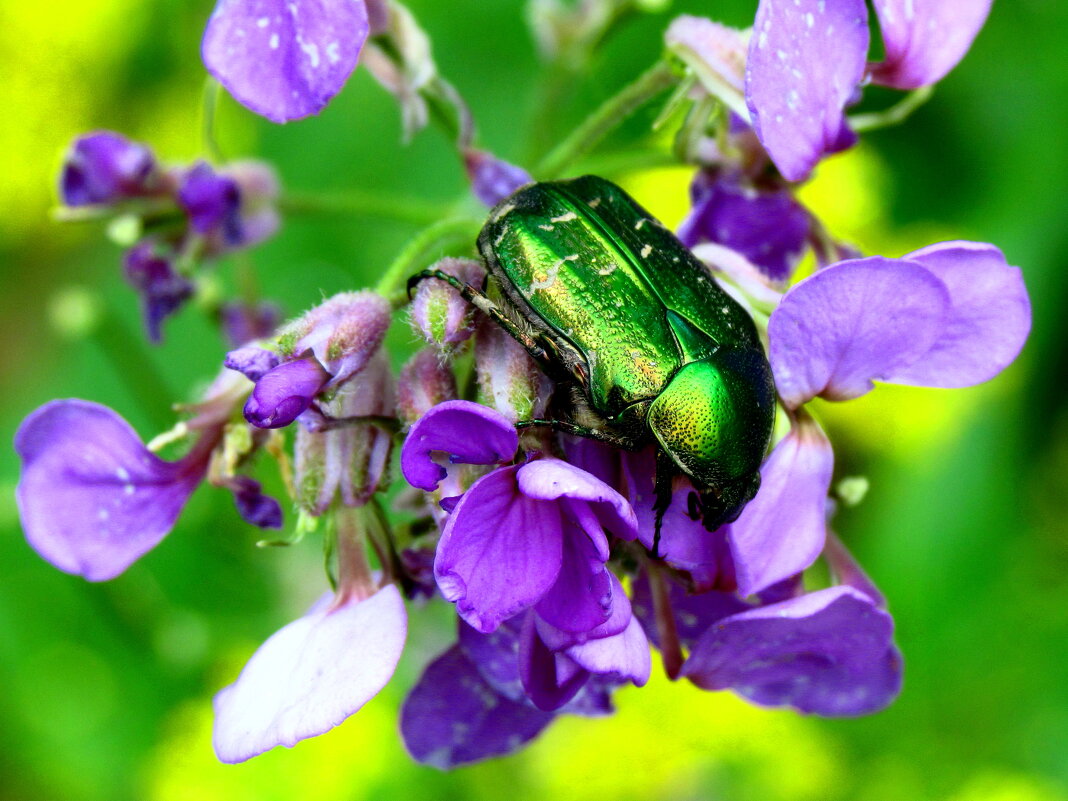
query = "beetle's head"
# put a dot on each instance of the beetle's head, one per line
(714, 419)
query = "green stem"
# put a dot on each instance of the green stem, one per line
(361, 204)
(894, 115)
(606, 118)
(209, 108)
(428, 245)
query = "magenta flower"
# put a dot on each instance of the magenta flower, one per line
(91, 497)
(311, 674)
(284, 60)
(807, 59)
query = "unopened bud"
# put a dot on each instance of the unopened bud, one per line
(424, 381)
(438, 313)
(350, 460)
(284, 393)
(716, 55)
(343, 333)
(508, 379)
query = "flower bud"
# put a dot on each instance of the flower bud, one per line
(438, 313)
(259, 189)
(244, 322)
(508, 379)
(104, 167)
(285, 392)
(162, 290)
(424, 382)
(343, 333)
(716, 55)
(406, 67)
(492, 180)
(349, 460)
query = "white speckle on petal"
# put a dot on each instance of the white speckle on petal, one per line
(333, 53)
(263, 22)
(274, 41)
(809, 19)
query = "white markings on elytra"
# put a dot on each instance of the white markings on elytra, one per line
(568, 217)
(611, 268)
(638, 225)
(646, 251)
(500, 238)
(552, 272)
(595, 203)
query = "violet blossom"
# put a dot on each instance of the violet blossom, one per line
(283, 60)
(104, 167)
(807, 59)
(91, 497)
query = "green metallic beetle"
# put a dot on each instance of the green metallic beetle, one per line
(605, 298)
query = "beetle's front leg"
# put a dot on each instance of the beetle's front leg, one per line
(536, 347)
(567, 427)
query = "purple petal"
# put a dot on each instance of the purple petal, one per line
(244, 322)
(624, 656)
(311, 675)
(284, 60)
(496, 655)
(550, 479)
(285, 392)
(468, 432)
(253, 506)
(559, 639)
(851, 323)
(581, 597)
(782, 530)
(925, 40)
(104, 167)
(988, 320)
(806, 58)
(492, 180)
(550, 679)
(452, 717)
(766, 226)
(829, 652)
(500, 551)
(91, 497)
(252, 362)
(212, 202)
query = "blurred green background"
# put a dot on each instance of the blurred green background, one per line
(105, 689)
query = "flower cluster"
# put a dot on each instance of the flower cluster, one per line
(566, 551)
(170, 217)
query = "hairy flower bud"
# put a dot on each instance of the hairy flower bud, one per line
(716, 55)
(350, 460)
(343, 333)
(508, 379)
(438, 313)
(424, 382)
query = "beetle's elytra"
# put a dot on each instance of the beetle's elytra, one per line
(621, 309)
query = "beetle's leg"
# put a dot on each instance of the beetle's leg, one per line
(665, 472)
(535, 346)
(567, 427)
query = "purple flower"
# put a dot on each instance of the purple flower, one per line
(766, 225)
(925, 41)
(212, 202)
(424, 381)
(950, 315)
(828, 652)
(312, 674)
(492, 180)
(807, 59)
(163, 291)
(104, 167)
(91, 497)
(253, 506)
(244, 322)
(470, 704)
(525, 536)
(284, 60)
